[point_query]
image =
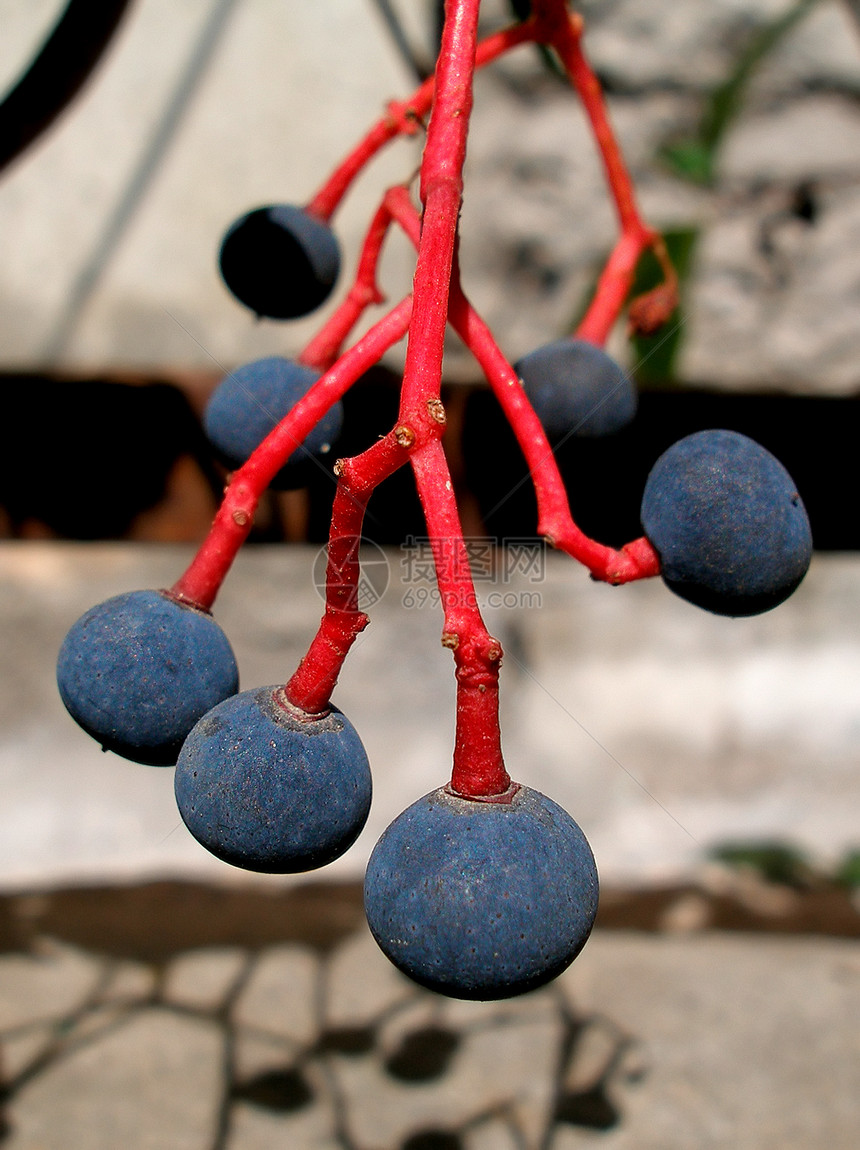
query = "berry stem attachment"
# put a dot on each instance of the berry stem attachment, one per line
(479, 769)
(325, 347)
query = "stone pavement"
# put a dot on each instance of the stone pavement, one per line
(650, 1040)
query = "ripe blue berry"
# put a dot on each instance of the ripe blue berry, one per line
(279, 261)
(138, 671)
(577, 389)
(265, 788)
(728, 523)
(481, 900)
(248, 403)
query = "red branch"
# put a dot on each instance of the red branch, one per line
(636, 560)
(311, 686)
(405, 118)
(562, 30)
(203, 578)
(437, 299)
(478, 766)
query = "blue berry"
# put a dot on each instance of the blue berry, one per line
(264, 788)
(138, 671)
(728, 523)
(279, 261)
(249, 402)
(481, 900)
(577, 389)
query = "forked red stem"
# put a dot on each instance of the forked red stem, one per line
(437, 299)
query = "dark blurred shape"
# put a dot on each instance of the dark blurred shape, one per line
(282, 1091)
(814, 438)
(153, 921)
(85, 457)
(57, 73)
(423, 1055)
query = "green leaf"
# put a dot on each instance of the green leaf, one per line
(773, 861)
(689, 159)
(848, 871)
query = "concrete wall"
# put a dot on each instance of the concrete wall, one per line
(110, 223)
(664, 731)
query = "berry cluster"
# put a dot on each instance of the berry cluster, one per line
(483, 888)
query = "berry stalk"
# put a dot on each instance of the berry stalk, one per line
(311, 686)
(636, 560)
(563, 31)
(325, 347)
(201, 581)
(478, 766)
(405, 118)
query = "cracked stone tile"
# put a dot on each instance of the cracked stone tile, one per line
(20, 1050)
(202, 979)
(463, 1014)
(49, 983)
(282, 993)
(362, 984)
(508, 1065)
(129, 982)
(752, 1045)
(495, 1134)
(154, 1082)
(256, 1054)
(413, 1017)
(598, 1046)
(92, 1024)
(306, 1122)
(255, 1129)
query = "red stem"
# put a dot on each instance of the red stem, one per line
(478, 768)
(636, 560)
(203, 578)
(563, 30)
(405, 118)
(324, 348)
(311, 686)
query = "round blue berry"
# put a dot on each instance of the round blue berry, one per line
(249, 402)
(728, 523)
(481, 900)
(280, 261)
(575, 388)
(138, 671)
(268, 789)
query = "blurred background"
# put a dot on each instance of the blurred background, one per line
(711, 762)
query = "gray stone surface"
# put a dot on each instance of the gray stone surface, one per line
(648, 1040)
(149, 1081)
(504, 1065)
(47, 985)
(288, 90)
(204, 979)
(743, 1043)
(359, 988)
(261, 1006)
